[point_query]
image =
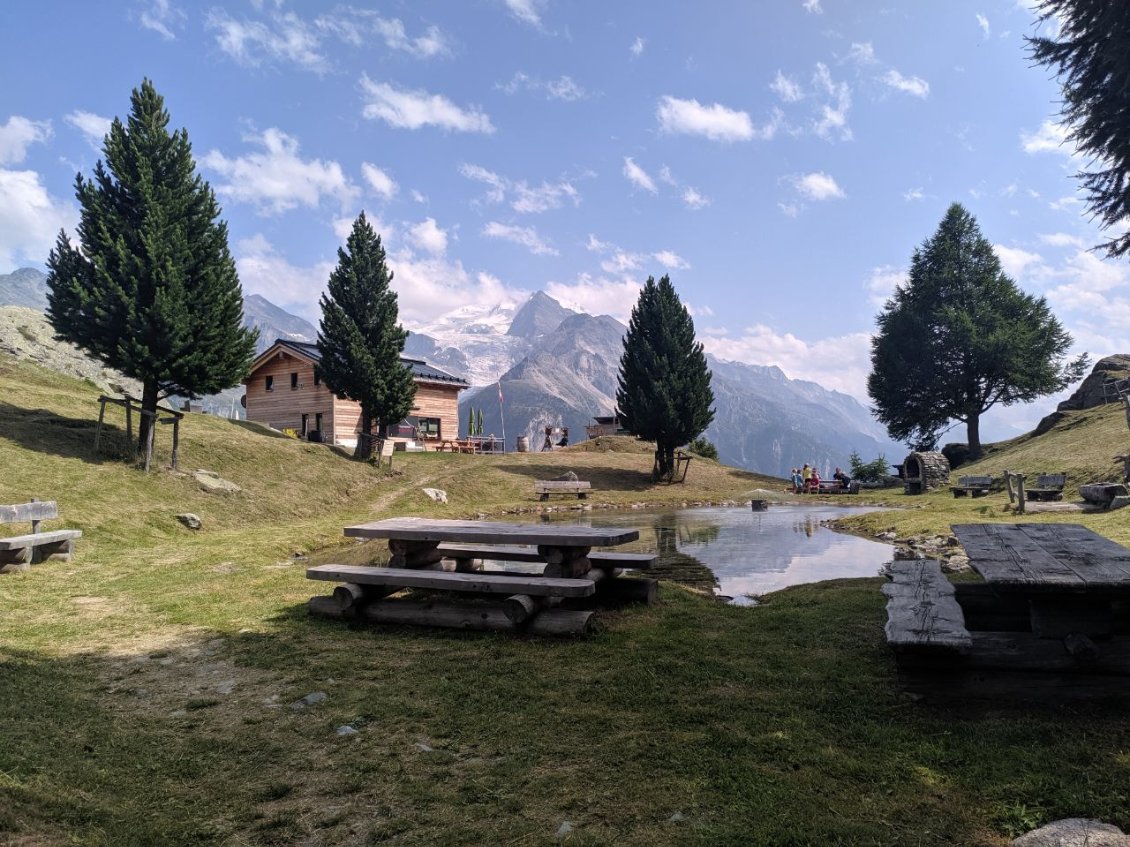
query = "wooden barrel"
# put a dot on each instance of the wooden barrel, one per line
(523, 444)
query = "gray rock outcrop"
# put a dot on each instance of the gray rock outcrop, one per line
(1074, 832)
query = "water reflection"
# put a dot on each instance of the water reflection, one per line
(741, 553)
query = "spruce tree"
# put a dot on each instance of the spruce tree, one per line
(664, 392)
(959, 338)
(359, 339)
(153, 290)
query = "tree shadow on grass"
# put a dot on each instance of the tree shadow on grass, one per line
(610, 479)
(44, 431)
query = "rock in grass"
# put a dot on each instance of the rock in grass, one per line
(190, 520)
(346, 729)
(311, 699)
(1074, 832)
(565, 829)
(437, 494)
(212, 482)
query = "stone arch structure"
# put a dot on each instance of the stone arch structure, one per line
(925, 471)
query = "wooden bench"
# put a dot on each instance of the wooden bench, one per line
(16, 552)
(463, 554)
(974, 486)
(477, 583)
(1049, 486)
(923, 615)
(544, 488)
(835, 486)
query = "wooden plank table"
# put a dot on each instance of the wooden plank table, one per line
(1074, 580)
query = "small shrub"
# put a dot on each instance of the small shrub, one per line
(702, 447)
(874, 471)
(290, 433)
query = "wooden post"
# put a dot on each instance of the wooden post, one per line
(176, 440)
(129, 423)
(1020, 495)
(1008, 485)
(34, 523)
(101, 417)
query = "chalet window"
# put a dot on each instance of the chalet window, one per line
(294, 380)
(305, 425)
(317, 377)
(318, 421)
(269, 383)
(427, 427)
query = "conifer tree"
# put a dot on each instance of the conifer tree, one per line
(359, 339)
(959, 338)
(664, 392)
(153, 290)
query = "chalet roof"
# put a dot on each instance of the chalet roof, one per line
(421, 370)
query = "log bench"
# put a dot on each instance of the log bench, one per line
(465, 554)
(543, 488)
(19, 551)
(1049, 486)
(923, 615)
(974, 486)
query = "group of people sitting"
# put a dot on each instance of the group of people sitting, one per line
(806, 480)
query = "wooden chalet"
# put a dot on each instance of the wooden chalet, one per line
(609, 425)
(284, 391)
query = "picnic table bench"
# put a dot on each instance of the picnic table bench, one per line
(974, 486)
(19, 551)
(421, 550)
(1049, 621)
(1049, 486)
(544, 487)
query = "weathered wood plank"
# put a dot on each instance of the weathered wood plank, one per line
(39, 539)
(514, 553)
(491, 532)
(922, 613)
(40, 510)
(561, 622)
(470, 582)
(562, 485)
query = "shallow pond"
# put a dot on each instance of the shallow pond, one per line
(740, 553)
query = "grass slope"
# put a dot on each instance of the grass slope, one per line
(146, 688)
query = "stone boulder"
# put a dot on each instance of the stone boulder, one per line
(213, 482)
(1074, 832)
(438, 495)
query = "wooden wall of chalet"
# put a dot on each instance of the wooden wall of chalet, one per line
(283, 407)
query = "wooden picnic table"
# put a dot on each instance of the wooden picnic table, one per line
(419, 546)
(1071, 578)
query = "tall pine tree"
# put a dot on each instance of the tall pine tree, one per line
(960, 338)
(359, 339)
(664, 392)
(153, 290)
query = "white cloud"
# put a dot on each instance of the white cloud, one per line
(497, 184)
(882, 283)
(263, 271)
(983, 22)
(671, 260)
(430, 287)
(862, 53)
(914, 86)
(543, 197)
(162, 17)
(638, 176)
(1051, 137)
(431, 43)
(527, 11)
(693, 200)
(526, 236)
(637, 47)
(789, 210)
(278, 179)
(30, 219)
(1014, 260)
(819, 186)
(595, 245)
(832, 119)
(1062, 239)
(666, 176)
(18, 134)
(1070, 203)
(597, 295)
(812, 7)
(786, 88)
(285, 38)
(428, 237)
(379, 181)
(716, 122)
(94, 128)
(562, 88)
(622, 262)
(913, 194)
(800, 359)
(406, 109)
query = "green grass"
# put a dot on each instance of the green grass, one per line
(146, 687)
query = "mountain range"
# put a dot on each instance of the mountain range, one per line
(555, 367)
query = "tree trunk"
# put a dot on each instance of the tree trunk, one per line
(364, 447)
(973, 428)
(148, 404)
(664, 462)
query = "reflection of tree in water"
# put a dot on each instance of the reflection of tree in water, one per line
(678, 566)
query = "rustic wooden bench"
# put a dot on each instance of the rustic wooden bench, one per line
(974, 486)
(923, 615)
(463, 554)
(1049, 486)
(16, 552)
(477, 583)
(544, 488)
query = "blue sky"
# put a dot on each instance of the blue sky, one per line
(780, 160)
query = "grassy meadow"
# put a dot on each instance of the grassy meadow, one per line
(150, 690)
